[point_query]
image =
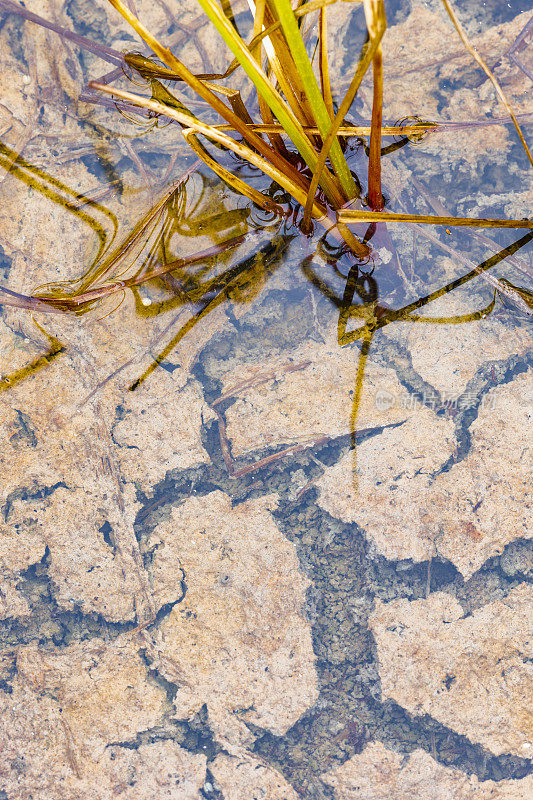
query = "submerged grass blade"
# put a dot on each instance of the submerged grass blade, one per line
(106, 53)
(233, 181)
(475, 55)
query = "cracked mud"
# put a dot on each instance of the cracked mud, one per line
(211, 587)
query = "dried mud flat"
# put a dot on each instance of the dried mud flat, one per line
(175, 624)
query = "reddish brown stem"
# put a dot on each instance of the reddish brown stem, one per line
(375, 198)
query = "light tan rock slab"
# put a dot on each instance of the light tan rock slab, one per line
(425, 646)
(249, 779)
(86, 572)
(483, 501)
(238, 641)
(156, 771)
(308, 397)
(448, 356)
(101, 688)
(410, 82)
(467, 514)
(387, 490)
(381, 774)
(69, 710)
(64, 475)
(160, 429)
(12, 602)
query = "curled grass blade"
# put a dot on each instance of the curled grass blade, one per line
(233, 181)
(296, 188)
(294, 185)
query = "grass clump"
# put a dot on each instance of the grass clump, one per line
(295, 106)
(293, 133)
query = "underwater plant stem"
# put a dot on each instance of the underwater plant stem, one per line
(106, 53)
(439, 208)
(499, 91)
(508, 290)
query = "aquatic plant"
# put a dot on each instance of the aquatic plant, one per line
(294, 104)
(298, 141)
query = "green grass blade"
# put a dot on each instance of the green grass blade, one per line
(316, 101)
(278, 107)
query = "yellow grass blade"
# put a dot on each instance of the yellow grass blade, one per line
(351, 215)
(347, 101)
(283, 67)
(232, 180)
(375, 19)
(312, 91)
(279, 108)
(354, 130)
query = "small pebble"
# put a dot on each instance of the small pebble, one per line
(26, 80)
(385, 255)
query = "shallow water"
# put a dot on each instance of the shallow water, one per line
(239, 559)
